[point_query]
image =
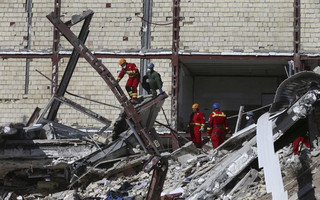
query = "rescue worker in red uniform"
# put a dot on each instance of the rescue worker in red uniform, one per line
(218, 126)
(196, 125)
(134, 78)
(298, 142)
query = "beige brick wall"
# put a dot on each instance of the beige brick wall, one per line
(15, 105)
(42, 29)
(310, 23)
(112, 28)
(236, 25)
(13, 25)
(161, 27)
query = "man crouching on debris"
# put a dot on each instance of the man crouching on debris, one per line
(218, 126)
(152, 82)
(196, 125)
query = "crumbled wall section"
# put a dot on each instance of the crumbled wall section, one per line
(310, 23)
(13, 25)
(237, 25)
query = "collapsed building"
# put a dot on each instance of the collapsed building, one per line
(48, 156)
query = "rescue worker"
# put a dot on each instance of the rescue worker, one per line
(298, 142)
(152, 81)
(218, 126)
(134, 78)
(196, 125)
(250, 119)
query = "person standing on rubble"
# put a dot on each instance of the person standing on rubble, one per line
(134, 78)
(196, 125)
(218, 128)
(152, 82)
(250, 119)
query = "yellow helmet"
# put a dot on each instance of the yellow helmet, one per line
(121, 61)
(195, 106)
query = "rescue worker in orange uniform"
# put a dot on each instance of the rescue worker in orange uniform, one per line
(196, 124)
(218, 126)
(134, 78)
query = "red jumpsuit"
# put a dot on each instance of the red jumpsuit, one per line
(218, 127)
(133, 81)
(296, 144)
(197, 121)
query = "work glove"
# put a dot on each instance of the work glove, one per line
(229, 134)
(160, 91)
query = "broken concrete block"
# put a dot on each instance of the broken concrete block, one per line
(100, 139)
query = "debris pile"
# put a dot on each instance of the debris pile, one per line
(189, 173)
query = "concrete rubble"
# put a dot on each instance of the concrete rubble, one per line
(190, 176)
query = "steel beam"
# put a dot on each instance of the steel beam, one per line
(297, 36)
(175, 71)
(87, 16)
(55, 50)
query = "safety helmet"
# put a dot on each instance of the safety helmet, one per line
(195, 106)
(121, 61)
(150, 65)
(216, 106)
(250, 113)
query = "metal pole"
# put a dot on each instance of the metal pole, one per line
(297, 36)
(239, 118)
(146, 37)
(175, 71)
(29, 11)
(55, 50)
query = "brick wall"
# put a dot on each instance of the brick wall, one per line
(237, 26)
(114, 25)
(13, 25)
(310, 23)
